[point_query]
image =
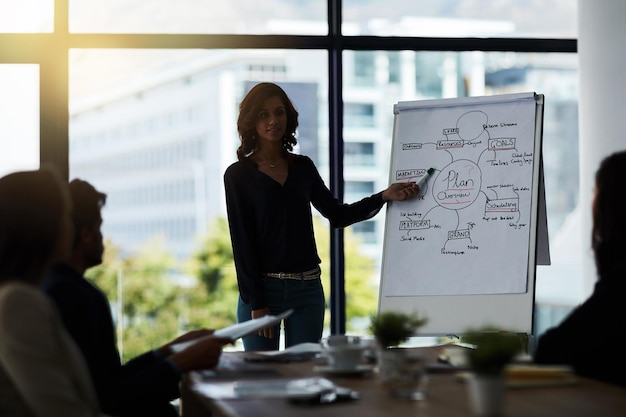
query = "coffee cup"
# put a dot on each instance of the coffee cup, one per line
(344, 352)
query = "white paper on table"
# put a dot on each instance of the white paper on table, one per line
(295, 388)
(300, 348)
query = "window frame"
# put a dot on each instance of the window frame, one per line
(51, 52)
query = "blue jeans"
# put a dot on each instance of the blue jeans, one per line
(306, 297)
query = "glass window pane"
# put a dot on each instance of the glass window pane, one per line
(155, 130)
(461, 18)
(19, 117)
(304, 17)
(359, 153)
(410, 75)
(26, 16)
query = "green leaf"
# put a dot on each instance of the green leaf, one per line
(392, 328)
(494, 349)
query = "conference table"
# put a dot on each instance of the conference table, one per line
(203, 394)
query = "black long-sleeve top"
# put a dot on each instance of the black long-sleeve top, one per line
(271, 226)
(592, 337)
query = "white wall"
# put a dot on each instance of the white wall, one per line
(602, 102)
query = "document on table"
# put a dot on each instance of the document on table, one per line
(238, 330)
(522, 376)
(297, 353)
(534, 376)
(290, 388)
(296, 349)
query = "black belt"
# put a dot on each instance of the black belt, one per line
(306, 275)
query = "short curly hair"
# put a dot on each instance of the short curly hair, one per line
(249, 110)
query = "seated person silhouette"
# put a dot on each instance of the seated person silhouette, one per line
(591, 338)
(145, 385)
(42, 372)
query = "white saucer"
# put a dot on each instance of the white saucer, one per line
(359, 370)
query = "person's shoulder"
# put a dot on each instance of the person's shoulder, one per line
(239, 174)
(17, 290)
(238, 167)
(302, 160)
(61, 274)
(235, 165)
(606, 296)
(304, 167)
(18, 296)
(27, 315)
(65, 285)
(62, 277)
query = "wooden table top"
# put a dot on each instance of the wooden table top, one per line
(446, 395)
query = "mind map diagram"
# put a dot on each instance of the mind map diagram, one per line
(469, 226)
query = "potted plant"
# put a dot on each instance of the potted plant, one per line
(392, 328)
(402, 370)
(493, 350)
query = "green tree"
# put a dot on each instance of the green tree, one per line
(150, 301)
(212, 263)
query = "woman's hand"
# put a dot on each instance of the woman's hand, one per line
(401, 191)
(268, 331)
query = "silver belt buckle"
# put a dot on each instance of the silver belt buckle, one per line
(281, 275)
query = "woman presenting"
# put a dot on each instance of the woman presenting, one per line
(269, 192)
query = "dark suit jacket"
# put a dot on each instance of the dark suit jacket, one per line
(144, 386)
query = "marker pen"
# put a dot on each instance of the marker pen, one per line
(422, 180)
